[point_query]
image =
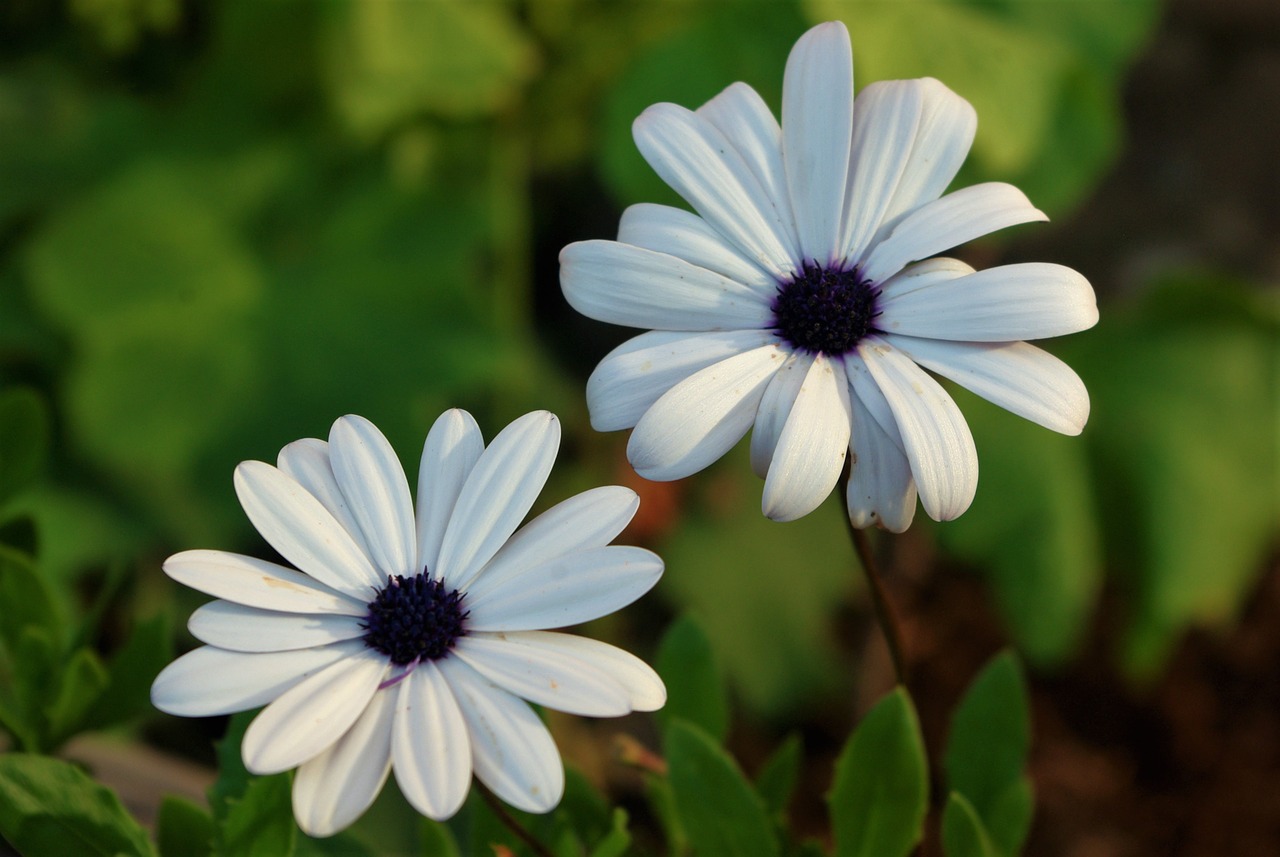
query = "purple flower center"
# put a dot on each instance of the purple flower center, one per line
(413, 619)
(825, 310)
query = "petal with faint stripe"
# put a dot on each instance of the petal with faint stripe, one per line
(702, 417)
(639, 371)
(451, 450)
(430, 745)
(335, 788)
(309, 717)
(511, 751)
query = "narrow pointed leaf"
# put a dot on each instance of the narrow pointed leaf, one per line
(778, 775)
(963, 834)
(695, 687)
(881, 790)
(987, 751)
(718, 809)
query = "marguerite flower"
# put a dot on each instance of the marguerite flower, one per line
(408, 642)
(795, 302)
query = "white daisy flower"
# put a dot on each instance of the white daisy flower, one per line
(408, 642)
(795, 302)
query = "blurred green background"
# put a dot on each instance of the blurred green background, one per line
(224, 225)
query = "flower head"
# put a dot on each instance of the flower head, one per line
(803, 297)
(406, 641)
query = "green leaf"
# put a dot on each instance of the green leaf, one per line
(50, 808)
(779, 774)
(142, 250)
(389, 61)
(24, 440)
(962, 832)
(259, 823)
(987, 751)
(1043, 553)
(80, 684)
(437, 840)
(25, 600)
(880, 794)
(717, 807)
(34, 659)
(132, 669)
(1187, 465)
(695, 688)
(1054, 126)
(183, 829)
(616, 842)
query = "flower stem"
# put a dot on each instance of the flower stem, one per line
(886, 616)
(510, 821)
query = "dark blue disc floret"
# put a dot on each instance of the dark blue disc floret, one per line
(414, 619)
(826, 310)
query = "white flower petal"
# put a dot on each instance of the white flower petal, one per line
(702, 417)
(563, 591)
(702, 165)
(886, 119)
(511, 751)
(635, 374)
(1027, 301)
(635, 287)
(308, 718)
(303, 531)
(587, 520)
(452, 448)
(868, 392)
(377, 491)
(247, 629)
(431, 747)
(498, 493)
(306, 461)
(209, 681)
(645, 690)
(922, 275)
(687, 236)
(942, 140)
(812, 447)
(936, 438)
(544, 675)
(335, 788)
(958, 217)
(257, 583)
(817, 122)
(746, 121)
(881, 491)
(774, 408)
(1018, 377)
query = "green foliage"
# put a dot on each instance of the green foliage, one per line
(1184, 386)
(1043, 553)
(1053, 125)
(962, 832)
(387, 62)
(183, 829)
(695, 688)
(718, 810)
(778, 775)
(881, 789)
(24, 439)
(49, 808)
(986, 756)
